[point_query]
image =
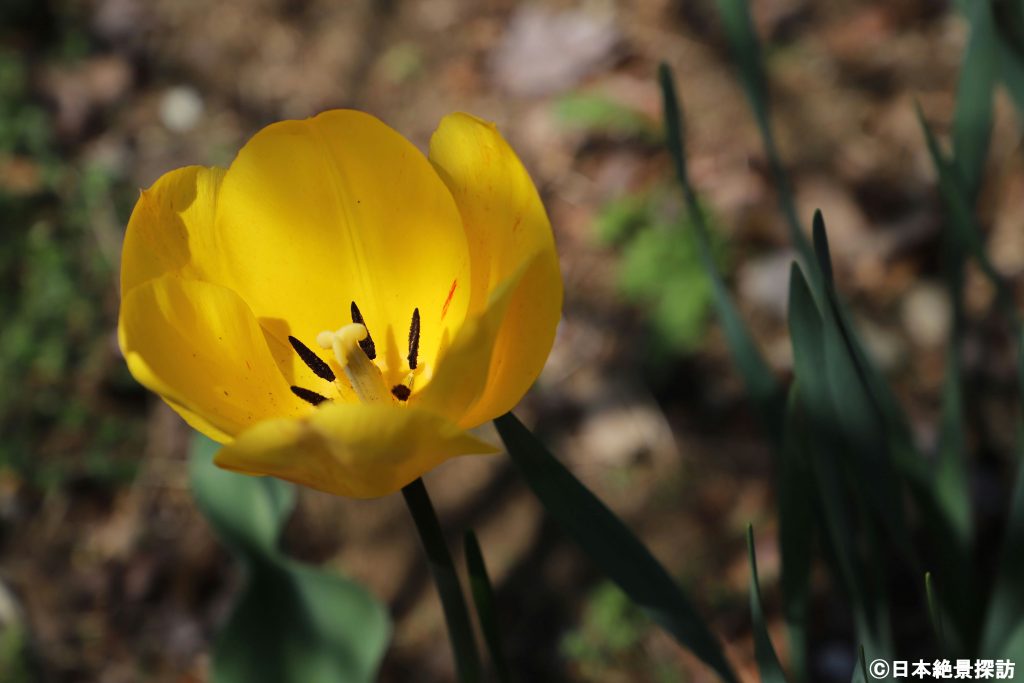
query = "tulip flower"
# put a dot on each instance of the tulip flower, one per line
(338, 309)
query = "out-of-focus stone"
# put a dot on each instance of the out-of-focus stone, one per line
(618, 434)
(181, 107)
(926, 315)
(545, 51)
(886, 347)
(763, 282)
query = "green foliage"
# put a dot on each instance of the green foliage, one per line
(15, 664)
(597, 114)
(610, 544)
(291, 622)
(848, 469)
(767, 661)
(609, 634)
(486, 609)
(56, 300)
(660, 268)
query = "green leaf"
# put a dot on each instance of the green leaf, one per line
(972, 119)
(965, 234)
(860, 669)
(439, 560)
(739, 29)
(767, 661)
(935, 613)
(760, 381)
(796, 503)
(246, 512)
(1011, 70)
(610, 544)
(291, 622)
(296, 623)
(1003, 634)
(818, 417)
(486, 610)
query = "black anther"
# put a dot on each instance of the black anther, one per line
(367, 344)
(414, 338)
(315, 363)
(309, 396)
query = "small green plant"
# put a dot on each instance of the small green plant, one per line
(609, 635)
(660, 268)
(600, 115)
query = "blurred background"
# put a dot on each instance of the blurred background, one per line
(108, 572)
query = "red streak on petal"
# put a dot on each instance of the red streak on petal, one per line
(451, 293)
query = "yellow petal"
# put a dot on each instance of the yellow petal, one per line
(198, 345)
(463, 373)
(315, 214)
(356, 450)
(171, 221)
(509, 237)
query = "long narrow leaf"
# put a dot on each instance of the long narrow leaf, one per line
(760, 381)
(767, 660)
(863, 417)
(442, 568)
(486, 610)
(935, 614)
(1004, 629)
(961, 220)
(815, 416)
(972, 119)
(610, 544)
(797, 498)
(746, 48)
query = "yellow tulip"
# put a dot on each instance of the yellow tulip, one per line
(337, 309)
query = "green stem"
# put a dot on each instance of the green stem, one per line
(460, 630)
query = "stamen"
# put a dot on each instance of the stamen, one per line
(401, 392)
(309, 396)
(315, 363)
(414, 338)
(365, 377)
(367, 344)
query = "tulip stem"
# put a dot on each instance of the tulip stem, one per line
(439, 559)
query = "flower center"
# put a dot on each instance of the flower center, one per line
(355, 352)
(364, 376)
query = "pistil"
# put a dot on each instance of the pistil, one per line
(365, 377)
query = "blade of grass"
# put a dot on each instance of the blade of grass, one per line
(610, 544)
(764, 389)
(767, 660)
(486, 610)
(460, 629)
